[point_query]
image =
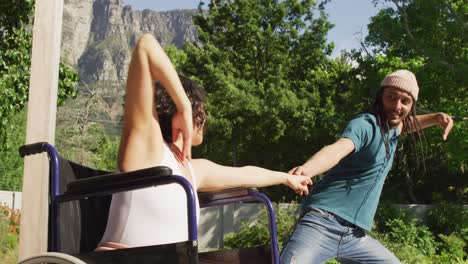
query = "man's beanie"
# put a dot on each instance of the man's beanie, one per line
(404, 80)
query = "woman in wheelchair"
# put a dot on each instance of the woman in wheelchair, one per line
(161, 122)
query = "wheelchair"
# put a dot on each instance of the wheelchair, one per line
(79, 201)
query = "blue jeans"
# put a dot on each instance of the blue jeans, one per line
(321, 236)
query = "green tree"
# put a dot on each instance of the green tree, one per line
(271, 88)
(178, 57)
(429, 38)
(13, 14)
(15, 60)
(11, 164)
(82, 138)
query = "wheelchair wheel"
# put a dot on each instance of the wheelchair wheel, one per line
(51, 258)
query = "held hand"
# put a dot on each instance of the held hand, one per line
(182, 122)
(445, 122)
(299, 184)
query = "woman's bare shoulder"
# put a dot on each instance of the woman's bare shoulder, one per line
(140, 149)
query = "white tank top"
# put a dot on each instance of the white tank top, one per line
(151, 216)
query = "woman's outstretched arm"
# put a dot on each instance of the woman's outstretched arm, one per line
(141, 142)
(212, 176)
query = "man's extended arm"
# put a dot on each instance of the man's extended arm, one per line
(325, 159)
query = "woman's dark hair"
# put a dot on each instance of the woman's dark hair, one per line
(411, 126)
(166, 108)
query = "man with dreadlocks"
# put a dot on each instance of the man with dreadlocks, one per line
(342, 205)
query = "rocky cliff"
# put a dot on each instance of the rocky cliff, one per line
(98, 36)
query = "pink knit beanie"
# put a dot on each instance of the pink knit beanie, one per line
(404, 80)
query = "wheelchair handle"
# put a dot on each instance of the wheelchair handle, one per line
(31, 149)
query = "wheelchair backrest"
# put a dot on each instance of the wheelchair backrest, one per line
(82, 223)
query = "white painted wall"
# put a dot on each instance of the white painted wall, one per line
(11, 199)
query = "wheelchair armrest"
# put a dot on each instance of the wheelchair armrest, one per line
(120, 179)
(32, 149)
(206, 197)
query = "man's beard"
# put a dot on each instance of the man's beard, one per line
(394, 123)
(393, 119)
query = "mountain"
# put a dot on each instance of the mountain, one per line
(98, 36)
(97, 40)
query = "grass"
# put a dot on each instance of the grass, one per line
(10, 256)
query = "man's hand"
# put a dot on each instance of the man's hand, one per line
(445, 122)
(299, 170)
(301, 173)
(299, 184)
(182, 122)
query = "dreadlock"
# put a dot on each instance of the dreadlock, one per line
(412, 128)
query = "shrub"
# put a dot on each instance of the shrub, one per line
(413, 242)
(11, 217)
(403, 234)
(412, 234)
(9, 228)
(389, 211)
(452, 249)
(397, 229)
(7, 239)
(405, 246)
(256, 233)
(447, 218)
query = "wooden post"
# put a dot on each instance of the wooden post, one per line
(42, 108)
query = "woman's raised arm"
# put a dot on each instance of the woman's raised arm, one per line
(141, 142)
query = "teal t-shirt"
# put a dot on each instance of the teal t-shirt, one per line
(352, 188)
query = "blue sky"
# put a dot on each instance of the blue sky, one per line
(349, 16)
